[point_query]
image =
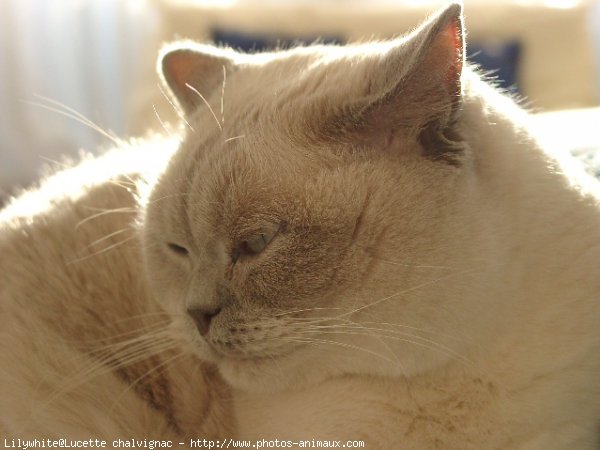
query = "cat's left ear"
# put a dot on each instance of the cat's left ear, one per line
(192, 71)
(438, 60)
(415, 85)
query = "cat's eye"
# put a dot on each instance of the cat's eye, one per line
(177, 249)
(255, 244)
(258, 243)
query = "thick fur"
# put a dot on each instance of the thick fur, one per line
(85, 348)
(410, 299)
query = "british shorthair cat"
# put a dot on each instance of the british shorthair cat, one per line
(348, 243)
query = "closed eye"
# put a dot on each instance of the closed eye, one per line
(255, 245)
(177, 249)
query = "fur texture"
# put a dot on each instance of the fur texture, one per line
(364, 242)
(87, 355)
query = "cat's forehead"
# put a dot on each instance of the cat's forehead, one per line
(249, 166)
(220, 185)
(263, 115)
(274, 90)
(269, 122)
(318, 66)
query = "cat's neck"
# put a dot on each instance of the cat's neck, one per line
(542, 212)
(545, 204)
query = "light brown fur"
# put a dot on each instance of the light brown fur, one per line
(426, 280)
(72, 312)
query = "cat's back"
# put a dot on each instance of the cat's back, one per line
(52, 235)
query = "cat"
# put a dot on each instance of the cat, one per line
(360, 243)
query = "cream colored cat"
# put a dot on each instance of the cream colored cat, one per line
(365, 242)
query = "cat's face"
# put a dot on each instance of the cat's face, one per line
(299, 233)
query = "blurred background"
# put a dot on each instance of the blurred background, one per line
(64, 63)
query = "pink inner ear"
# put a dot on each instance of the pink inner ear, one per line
(178, 68)
(452, 39)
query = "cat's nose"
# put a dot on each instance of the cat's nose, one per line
(203, 317)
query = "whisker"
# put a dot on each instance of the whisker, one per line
(149, 328)
(104, 250)
(141, 353)
(368, 330)
(69, 109)
(413, 266)
(53, 161)
(164, 197)
(105, 212)
(340, 344)
(128, 186)
(106, 361)
(132, 181)
(162, 124)
(193, 89)
(162, 314)
(421, 330)
(87, 123)
(295, 311)
(241, 136)
(132, 384)
(108, 236)
(123, 351)
(320, 320)
(175, 108)
(405, 291)
(223, 96)
(101, 368)
(403, 337)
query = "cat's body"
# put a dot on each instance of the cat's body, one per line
(531, 383)
(366, 243)
(81, 336)
(530, 380)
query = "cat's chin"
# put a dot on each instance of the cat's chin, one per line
(303, 366)
(253, 374)
(272, 373)
(260, 374)
(300, 365)
(268, 374)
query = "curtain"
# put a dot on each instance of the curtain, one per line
(90, 55)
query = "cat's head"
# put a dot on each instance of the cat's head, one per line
(311, 223)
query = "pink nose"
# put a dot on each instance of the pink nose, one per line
(203, 318)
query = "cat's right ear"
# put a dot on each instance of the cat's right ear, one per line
(191, 71)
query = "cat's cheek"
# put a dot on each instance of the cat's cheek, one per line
(168, 297)
(166, 285)
(172, 304)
